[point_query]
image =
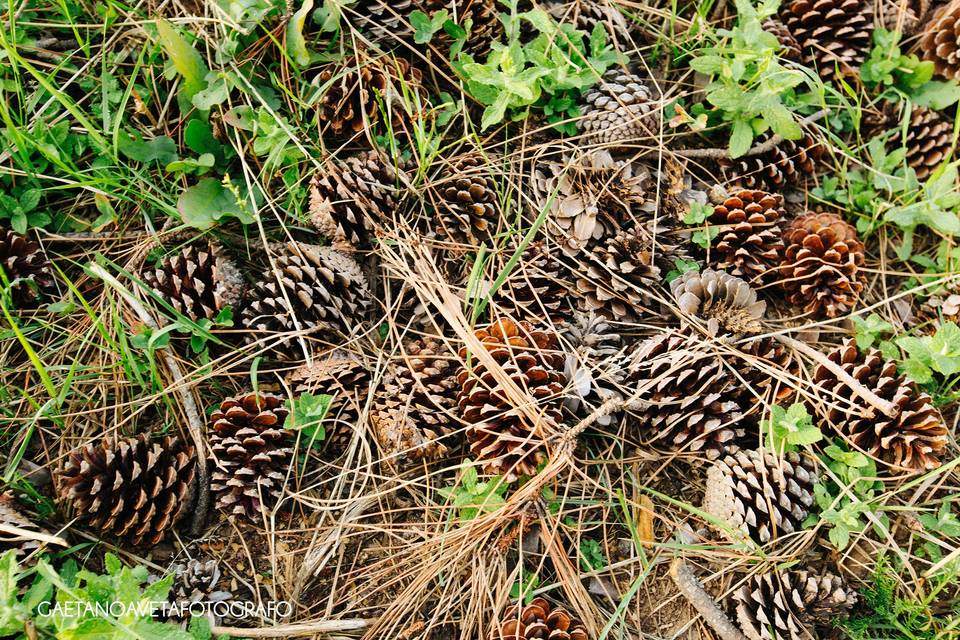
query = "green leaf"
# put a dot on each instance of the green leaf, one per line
(937, 95)
(425, 27)
(161, 149)
(296, 43)
(741, 138)
(187, 61)
(782, 121)
(308, 412)
(217, 90)
(495, 113)
(208, 202)
(793, 427)
(867, 331)
(698, 213)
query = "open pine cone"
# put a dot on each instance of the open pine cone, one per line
(594, 365)
(620, 110)
(130, 488)
(723, 303)
(539, 620)
(252, 454)
(464, 195)
(26, 267)
(197, 281)
(834, 35)
(914, 440)
(787, 163)
(327, 293)
(822, 260)
(539, 285)
(940, 42)
(749, 245)
(759, 494)
(792, 605)
(502, 433)
(194, 583)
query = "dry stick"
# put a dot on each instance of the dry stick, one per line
(186, 397)
(291, 630)
(763, 147)
(26, 534)
(705, 605)
(884, 406)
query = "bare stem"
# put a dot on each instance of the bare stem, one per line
(705, 605)
(295, 630)
(763, 147)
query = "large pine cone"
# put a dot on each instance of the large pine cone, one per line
(539, 285)
(252, 455)
(464, 195)
(198, 282)
(26, 267)
(914, 440)
(539, 621)
(792, 605)
(501, 433)
(11, 515)
(694, 405)
(788, 163)
(348, 197)
(940, 42)
(131, 488)
(822, 260)
(343, 376)
(594, 365)
(759, 494)
(723, 303)
(621, 110)
(750, 243)
(327, 291)
(417, 405)
(834, 35)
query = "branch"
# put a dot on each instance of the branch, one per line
(763, 147)
(705, 605)
(39, 536)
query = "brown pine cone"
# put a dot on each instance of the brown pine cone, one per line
(348, 197)
(327, 294)
(417, 406)
(620, 111)
(464, 194)
(725, 304)
(821, 264)
(484, 16)
(904, 16)
(788, 163)
(197, 281)
(929, 141)
(750, 243)
(940, 41)
(912, 441)
(24, 548)
(539, 620)
(792, 605)
(759, 494)
(791, 48)
(26, 267)
(343, 376)
(501, 433)
(252, 455)
(131, 488)
(834, 35)
(539, 285)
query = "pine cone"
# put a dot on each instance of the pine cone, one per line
(834, 35)
(25, 548)
(759, 494)
(788, 163)
(500, 433)
(538, 285)
(929, 141)
(26, 267)
(327, 291)
(382, 21)
(130, 488)
(914, 440)
(198, 282)
(904, 15)
(750, 244)
(720, 301)
(940, 41)
(348, 197)
(821, 264)
(791, 605)
(252, 454)
(585, 15)
(465, 197)
(485, 28)
(594, 365)
(358, 90)
(791, 48)
(416, 408)
(195, 583)
(694, 405)
(620, 110)
(539, 621)
(342, 375)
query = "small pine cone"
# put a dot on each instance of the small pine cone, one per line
(759, 494)
(792, 605)
(484, 16)
(341, 375)
(904, 15)
(252, 454)
(131, 488)
(724, 303)
(914, 440)
(821, 264)
(348, 197)
(26, 267)
(834, 35)
(465, 197)
(381, 20)
(693, 404)
(940, 43)
(788, 163)
(357, 90)
(196, 582)
(198, 282)
(416, 408)
(594, 366)
(327, 291)
(791, 48)
(539, 620)
(587, 14)
(538, 286)
(11, 515)
(620, 110)
(750, 243)
(502, 435)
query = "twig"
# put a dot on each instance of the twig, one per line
(884, 406)
(26, 534)
(763, 147)
(292, 630)
(184, 389)
(705, 605)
